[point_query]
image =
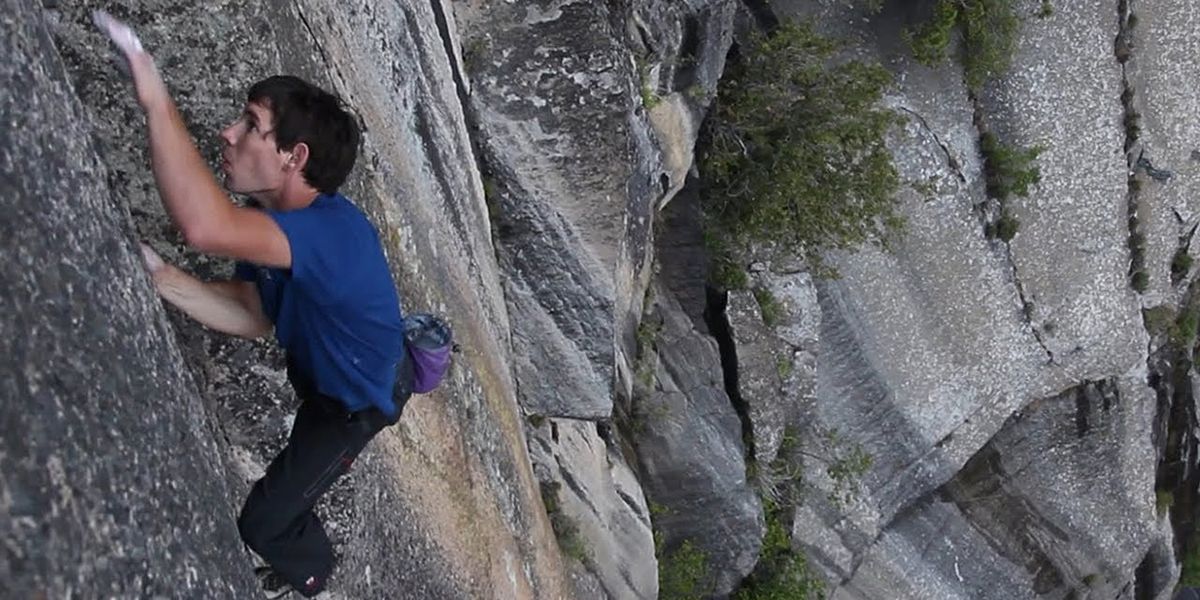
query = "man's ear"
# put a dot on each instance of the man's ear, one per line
(299, 157)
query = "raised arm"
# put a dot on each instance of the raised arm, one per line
(193, 198)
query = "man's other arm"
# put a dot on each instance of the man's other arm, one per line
(231, 307)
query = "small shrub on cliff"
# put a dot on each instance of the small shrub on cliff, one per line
(781, 572)
(1005, 228)
(1010, 170)
(794, 153)
(1163, 501)
(1158, 319)
(1140, 281)
(772, 311)
(1189, 575)
(682, 573)
(1181, 265)
(989, 33)
(1186, 325)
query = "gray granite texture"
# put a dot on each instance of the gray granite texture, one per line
(688, 441)
(1163, 150)
(929, 349)
(112, 481)
(583, 129)
(603, 514)
(1050, 508)
(443, 505)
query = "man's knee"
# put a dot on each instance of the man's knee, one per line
(257, 523)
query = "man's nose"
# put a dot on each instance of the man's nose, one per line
(227, 134)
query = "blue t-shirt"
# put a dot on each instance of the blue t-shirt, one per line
(336, 311)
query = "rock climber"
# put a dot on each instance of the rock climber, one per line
(309, 265)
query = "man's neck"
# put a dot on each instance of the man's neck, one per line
(293, 198)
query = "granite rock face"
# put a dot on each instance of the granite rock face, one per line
(582, 133)
(1051, 507)
(103, 432)
(688, 441)
(1162, 150)
(775, 331)
(471, 525)
(928, 350)
(603, 513)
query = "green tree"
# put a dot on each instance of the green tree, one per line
(795, 150)
(989, 35)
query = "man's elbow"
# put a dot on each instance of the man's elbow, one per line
(201, 237)
(258, 330)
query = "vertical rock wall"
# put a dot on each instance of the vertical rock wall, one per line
(112, 473)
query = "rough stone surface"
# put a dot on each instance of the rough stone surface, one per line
(600, 495)
(1053, 506)
(776, 361)
(929, 347)
(689, 445)
(1162, 56)
(471, 525)
(575, 167)
(1070, 254)
(102, 433)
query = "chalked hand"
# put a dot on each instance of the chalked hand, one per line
(154, 262)
(151, 90)
(121, 34)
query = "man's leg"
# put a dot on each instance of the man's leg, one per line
(277, 520)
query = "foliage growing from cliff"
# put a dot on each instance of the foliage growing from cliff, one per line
(989, 33)
(1163, 501)
(1181, 265)
(650, 97)
(1005, 228)
(794, 153)
(724, 272)
(683, 572)
(1010, 170)
(845, 462)
(770, 307)
(781, 573)
(1189, 575)
(570, 540)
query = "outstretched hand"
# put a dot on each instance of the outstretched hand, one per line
(154, 262)
(151, 90)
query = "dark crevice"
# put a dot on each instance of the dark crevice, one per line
(989, 225)
(1139, 280)
(439, 17)
(764, 17)
(718, 325)
(689, 47)
(1177, 478)
(1181, 262)
(316, 42)
(1145, 578)
(1082, 408)
(950, 160)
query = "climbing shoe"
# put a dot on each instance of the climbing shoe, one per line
(273, 585)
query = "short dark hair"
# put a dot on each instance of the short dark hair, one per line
(303, 112)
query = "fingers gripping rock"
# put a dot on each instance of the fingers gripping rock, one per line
(120, 33)
(154, 262)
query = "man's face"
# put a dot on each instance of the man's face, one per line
(250, 160)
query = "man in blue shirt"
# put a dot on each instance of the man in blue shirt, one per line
(310, 265)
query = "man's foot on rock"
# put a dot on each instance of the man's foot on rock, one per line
(273, 585)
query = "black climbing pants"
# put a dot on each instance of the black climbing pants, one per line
(277, 520)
